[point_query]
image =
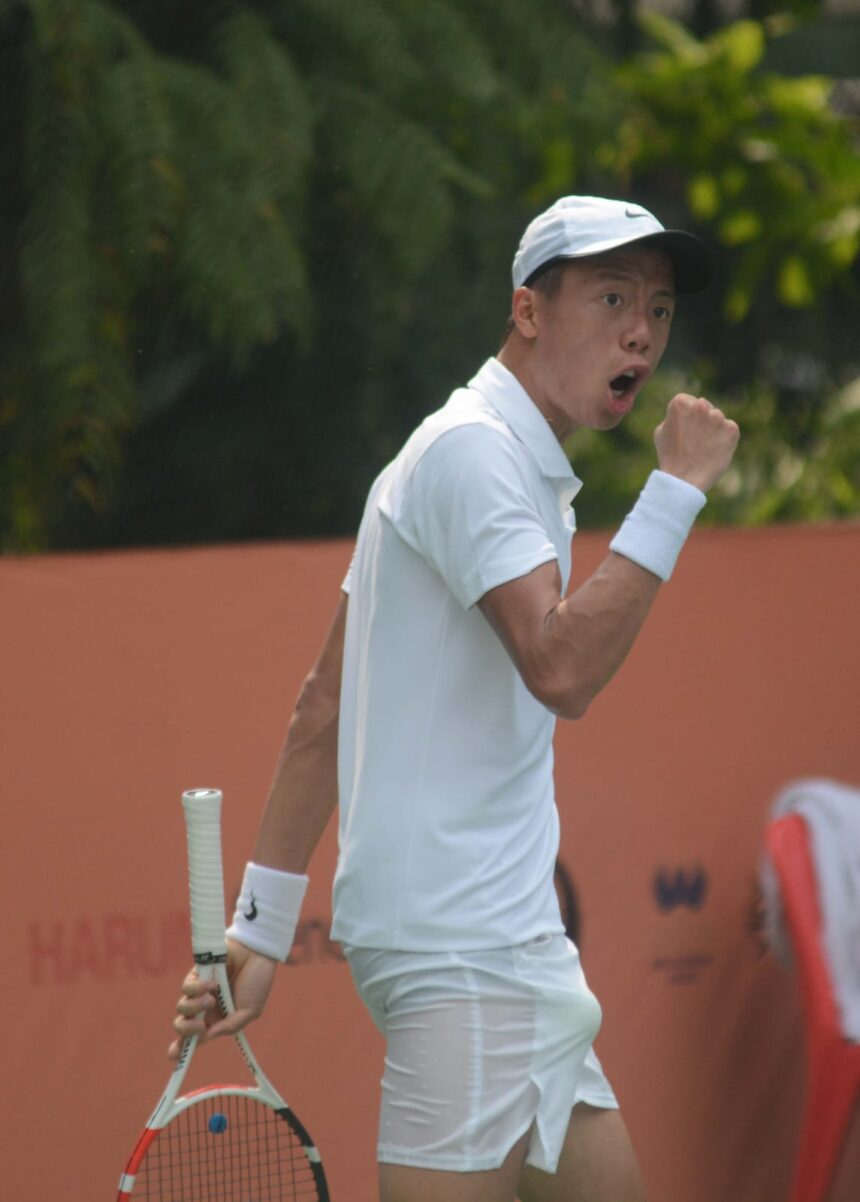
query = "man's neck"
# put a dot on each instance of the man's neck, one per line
(516, 360)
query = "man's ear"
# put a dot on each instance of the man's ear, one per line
(525, 306)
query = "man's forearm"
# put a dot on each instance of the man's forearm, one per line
(567, 649)
(590, 633)
(303, 793)
(304, 790)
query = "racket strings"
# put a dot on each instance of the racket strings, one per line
(227, 1149)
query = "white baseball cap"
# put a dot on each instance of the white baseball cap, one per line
(577, 226)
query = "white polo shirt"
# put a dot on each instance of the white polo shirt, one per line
(448, 823)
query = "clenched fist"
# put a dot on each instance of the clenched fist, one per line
(695, 441)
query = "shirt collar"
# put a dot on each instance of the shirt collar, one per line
(508, 397)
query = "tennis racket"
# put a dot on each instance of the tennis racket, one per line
(222, 1143)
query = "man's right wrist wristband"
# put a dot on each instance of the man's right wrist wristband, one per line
(657, 526)
(267, 910)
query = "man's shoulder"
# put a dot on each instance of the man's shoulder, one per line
(454, 449)
(466, 418)
(465, 407)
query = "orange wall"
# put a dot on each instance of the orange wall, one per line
(127, 678)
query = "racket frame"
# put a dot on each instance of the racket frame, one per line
(202, 809)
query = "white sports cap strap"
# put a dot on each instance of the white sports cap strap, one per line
(577, 226)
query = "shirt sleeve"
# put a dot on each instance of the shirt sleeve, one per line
(467, 508)
(346, 585)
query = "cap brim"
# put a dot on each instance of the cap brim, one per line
(692, 262)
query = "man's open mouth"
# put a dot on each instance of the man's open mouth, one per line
(622, 384)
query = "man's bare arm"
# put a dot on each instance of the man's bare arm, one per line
(301, 800)
(304, 790)
(567, 650)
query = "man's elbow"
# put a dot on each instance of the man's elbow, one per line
(565, 698)
(318, 701)
(571, 705)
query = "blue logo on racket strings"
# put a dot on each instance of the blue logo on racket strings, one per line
(218, 1124)
(252, 913)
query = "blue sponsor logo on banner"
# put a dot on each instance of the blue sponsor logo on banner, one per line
(678, 887)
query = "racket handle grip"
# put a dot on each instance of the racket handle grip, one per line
(205, 872)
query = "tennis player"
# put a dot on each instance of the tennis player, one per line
(430, 715)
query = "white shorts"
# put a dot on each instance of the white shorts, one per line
(481, 1048)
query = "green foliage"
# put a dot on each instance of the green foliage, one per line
(815, 477)
(769, 169)
(770, 174)
(291, 175)
(808, 473)
(255, 244)
(148, 177)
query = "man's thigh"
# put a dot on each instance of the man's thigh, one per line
(399, 1183)
(597, 1163)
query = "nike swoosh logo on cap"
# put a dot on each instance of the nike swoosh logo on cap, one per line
(627, 213)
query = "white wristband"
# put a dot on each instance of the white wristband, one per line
(267, 910)
(655, 529)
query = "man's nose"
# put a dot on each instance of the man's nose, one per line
(638, 336)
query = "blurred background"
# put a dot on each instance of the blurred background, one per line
(247, 246)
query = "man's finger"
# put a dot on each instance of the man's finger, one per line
(193, 986)
(185, 1028)
(230, 1025)
(191, 1007)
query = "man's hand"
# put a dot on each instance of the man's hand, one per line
(695, 441)
(251, 977)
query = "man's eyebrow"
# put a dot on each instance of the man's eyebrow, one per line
(605, 274)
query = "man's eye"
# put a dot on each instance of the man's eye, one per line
(663, 313)
(613, 299)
